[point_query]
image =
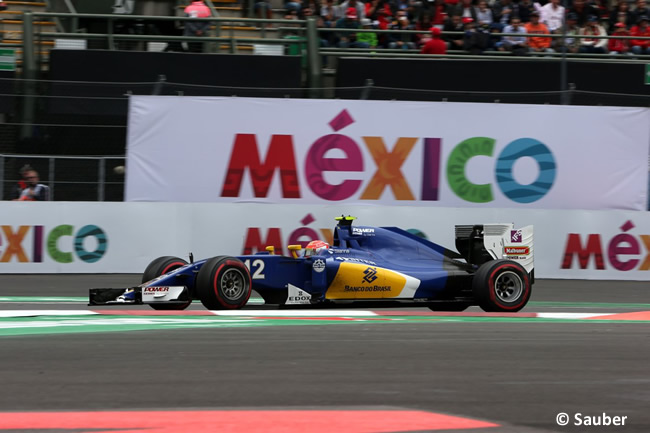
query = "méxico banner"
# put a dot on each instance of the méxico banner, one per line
(426, 154)
(49, 237)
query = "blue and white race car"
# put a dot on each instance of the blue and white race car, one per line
(365, 266)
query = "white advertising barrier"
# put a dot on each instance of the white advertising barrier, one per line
(38, 237)
(208, 149)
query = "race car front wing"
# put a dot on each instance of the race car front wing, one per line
(140, 295)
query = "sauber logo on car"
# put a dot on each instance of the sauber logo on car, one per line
(516, 236)
(517, 251)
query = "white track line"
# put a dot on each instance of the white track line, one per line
(34, 313)
(296, 313)
(571, 315)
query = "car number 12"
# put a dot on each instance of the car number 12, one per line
(259, 268)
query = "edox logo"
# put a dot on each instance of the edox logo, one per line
(370, 275)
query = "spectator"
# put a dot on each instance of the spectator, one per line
(374, 8)
(357, 5)
(197, 9)
(571, 44)
(619, 46)
(330, 13)
(450, 4)
(552, 15)
(494, 40)
(423, 24)
(435, 45)
(516, 44)
(291, 5)
(438, 14)
(502, 12)
(34, 191)
(621, 13)
(455, 24)
(593, 45)
(367, 37)
(602, 7)
(523, 10)
(350, 21)
(583, 11)
(475, 40)
(22, 183)
(538, 44)
(483, 14)
(403, 41)
(641, 10)
(308, 9)
(641, 46)
(465, 9)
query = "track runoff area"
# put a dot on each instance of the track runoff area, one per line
(577, 358)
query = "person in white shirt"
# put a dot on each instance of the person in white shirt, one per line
(551, 14)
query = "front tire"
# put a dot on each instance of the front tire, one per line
(162, 266)
(223, 283)
(501, 286)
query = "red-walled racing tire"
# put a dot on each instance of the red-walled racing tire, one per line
(223, 283)
(501, 286)
(161, 266)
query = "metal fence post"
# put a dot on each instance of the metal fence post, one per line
(2, 177)
(29, 74)
(365, 93)
(157, 88)
(101, 179)
(51, 167)
(570, 92)
(313, 58)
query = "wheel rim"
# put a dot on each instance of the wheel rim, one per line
(508, 286)
(232, 284)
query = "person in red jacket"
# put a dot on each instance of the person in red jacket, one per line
(619, 46)
(196, 9)
(641, 46)
(436, 45)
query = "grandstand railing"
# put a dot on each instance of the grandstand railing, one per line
(304, 34)
(307, 31)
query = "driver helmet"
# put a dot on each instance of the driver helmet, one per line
(316, 247)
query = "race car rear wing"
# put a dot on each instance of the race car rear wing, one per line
(483, 242)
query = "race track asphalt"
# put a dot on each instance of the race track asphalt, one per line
(517, 374)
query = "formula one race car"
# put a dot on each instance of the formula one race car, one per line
(366, 266)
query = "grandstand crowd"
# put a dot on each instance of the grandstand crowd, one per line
(475, 26)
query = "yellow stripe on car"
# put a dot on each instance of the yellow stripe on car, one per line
(360, 281)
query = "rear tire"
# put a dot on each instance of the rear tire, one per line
(223, 283)
(161, 266)
(501, 286)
